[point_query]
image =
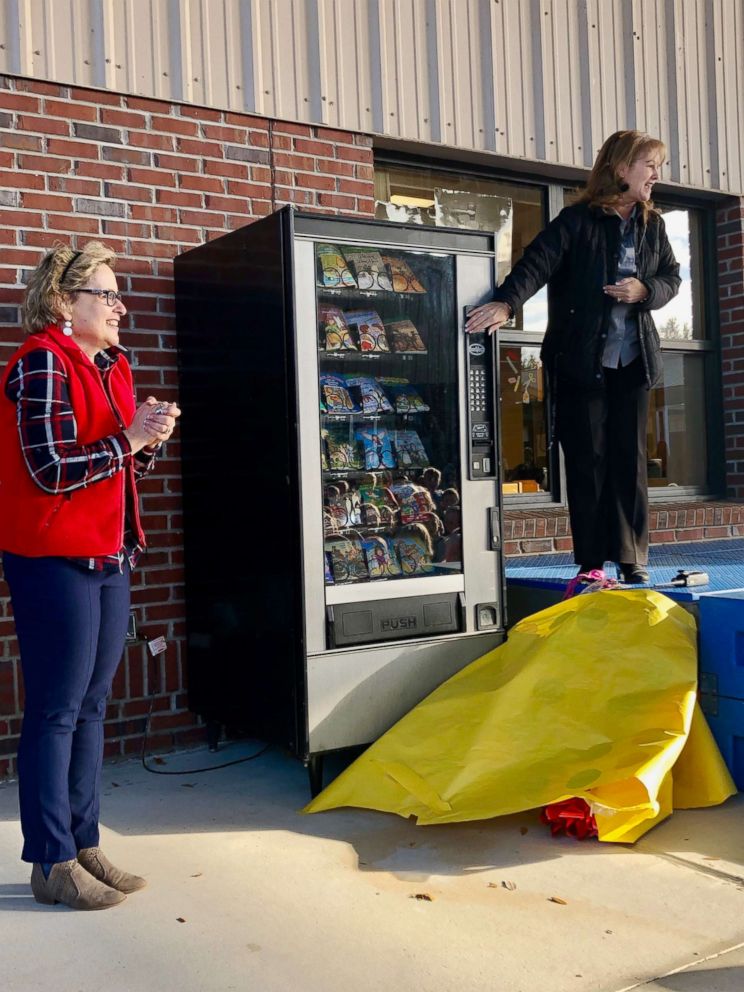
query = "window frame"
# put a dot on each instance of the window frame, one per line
(553, 200)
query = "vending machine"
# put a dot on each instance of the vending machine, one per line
(340, 449)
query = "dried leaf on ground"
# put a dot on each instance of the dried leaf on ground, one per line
(423, 896)
(561, 902)
(188, 785)
(511, 886)
(492, 885)
(197, 875)
(180, 919)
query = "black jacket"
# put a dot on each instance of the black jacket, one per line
(576, 255)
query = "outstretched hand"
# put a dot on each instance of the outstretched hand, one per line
(488, 317)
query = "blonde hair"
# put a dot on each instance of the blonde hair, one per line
(58, 275)
(623, 148)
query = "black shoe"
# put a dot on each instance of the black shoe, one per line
(634, 574)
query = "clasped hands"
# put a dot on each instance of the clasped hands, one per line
(153, 423)
(629, 290)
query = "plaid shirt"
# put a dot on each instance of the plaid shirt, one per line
(48, 436)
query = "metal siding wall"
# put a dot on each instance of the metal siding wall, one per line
(543, 80)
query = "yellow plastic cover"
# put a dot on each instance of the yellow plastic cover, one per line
(594, 697)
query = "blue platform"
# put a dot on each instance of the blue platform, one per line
(722, 560)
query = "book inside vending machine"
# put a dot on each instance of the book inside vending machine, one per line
(340, 447)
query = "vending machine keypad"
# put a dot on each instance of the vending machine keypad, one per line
(481, 428)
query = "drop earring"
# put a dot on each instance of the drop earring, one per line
(67, 328)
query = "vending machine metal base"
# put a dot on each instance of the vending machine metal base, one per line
(340, 449)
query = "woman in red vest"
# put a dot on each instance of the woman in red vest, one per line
(72, 446)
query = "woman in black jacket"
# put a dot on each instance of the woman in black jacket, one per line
(608, 263)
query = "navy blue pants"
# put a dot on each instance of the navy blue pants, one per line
(71, 625)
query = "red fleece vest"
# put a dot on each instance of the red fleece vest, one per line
(89, 521)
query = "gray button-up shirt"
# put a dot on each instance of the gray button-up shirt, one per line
(622, 345)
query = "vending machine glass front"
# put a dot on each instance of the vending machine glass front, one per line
(389, 414)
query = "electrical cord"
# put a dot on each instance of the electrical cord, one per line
(190, 771)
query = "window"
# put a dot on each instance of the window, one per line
(516, 213)
(680, 420)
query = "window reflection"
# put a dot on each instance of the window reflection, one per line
(679, 320)
(676, 425)
(524, 449)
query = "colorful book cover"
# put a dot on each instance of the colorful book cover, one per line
(335, 395)
(370, 270)
(346, 510)
(328, 569)
(413, 501)
(377, 447)
(409, 450)
(401, 274)
(381, 559)
(379, 506)
(403, 337)
(373, 396)
(369, 329)
(334, 332)
(343, 451)
(414, 553)
(333, 271)
(348, 562)
(404, 396)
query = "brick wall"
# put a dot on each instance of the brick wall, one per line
(150, 179)
(731, 294)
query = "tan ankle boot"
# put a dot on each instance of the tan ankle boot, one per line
(70, 884)
(95, 861)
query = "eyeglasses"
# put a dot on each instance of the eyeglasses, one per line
(108, 296)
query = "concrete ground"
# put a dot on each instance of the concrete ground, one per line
(245, 893)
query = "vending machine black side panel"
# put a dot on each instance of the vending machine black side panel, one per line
(241, 531)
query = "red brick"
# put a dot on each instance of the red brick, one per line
(151, 106)
(95, 96)
(118, 191)
(142, 211)
(179, 163)
(284, 127)
(329, 134)
(202, 218)
(238, 188)
(20, 218)
(228, 203)
(73, 111)
(100, 170)
(313, 147)
(46, 125)
(232, 170)
(46, 201)
(336, 201)
(303, 162)
(19, 101)
(82, 225)
(126, 229)
(151, 177)
(44, 163)
(21, 180)
(218, 132)
(205, 184)
(358, 188)
(200, 113)
(123, 118)
(144, 139)
(310, 181)
(174, 125)
(178, 198)
(24, 142)
(74, 149)
(36, 86)
(245, 120)
(354, 154)
(178, 234)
